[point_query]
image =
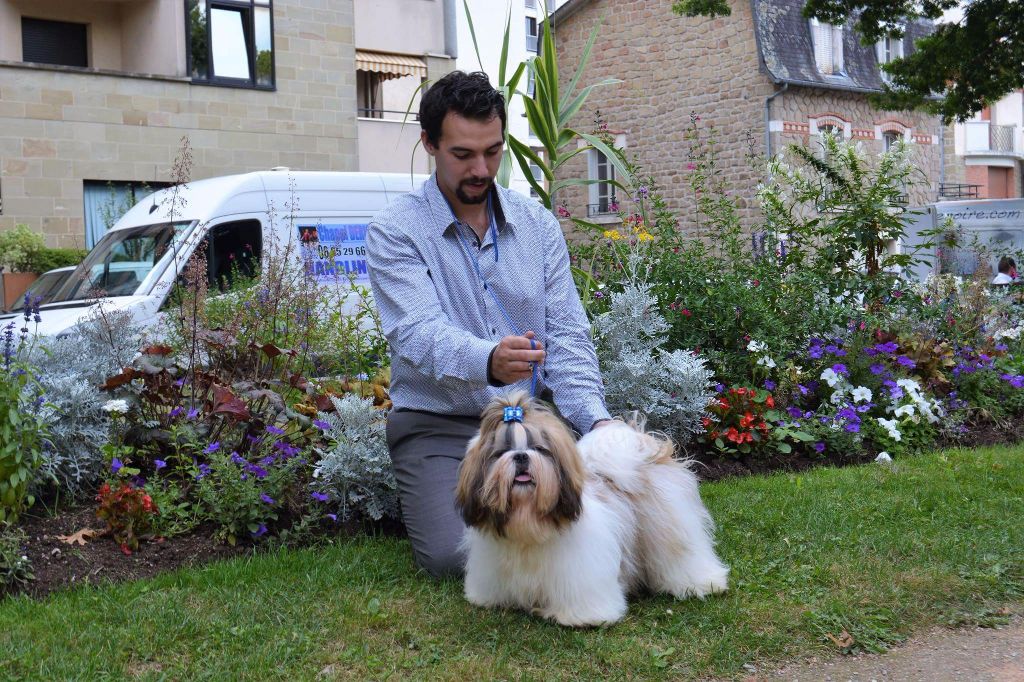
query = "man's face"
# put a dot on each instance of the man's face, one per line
(467, 156)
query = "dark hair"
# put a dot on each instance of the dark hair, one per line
(467, 94)
(1005, 263)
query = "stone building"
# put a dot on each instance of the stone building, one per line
(763, 77)
(96, 95)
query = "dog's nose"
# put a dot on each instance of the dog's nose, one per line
(521, 458)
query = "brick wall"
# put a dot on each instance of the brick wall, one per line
(60, 127)
(671, 66)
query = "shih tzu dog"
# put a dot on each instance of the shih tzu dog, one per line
(567, 530)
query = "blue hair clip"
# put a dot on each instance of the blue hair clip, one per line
(514, 414)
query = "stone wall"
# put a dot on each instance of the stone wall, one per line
(671, 66)
(59, 127)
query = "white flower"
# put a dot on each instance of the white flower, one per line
(883, 457)
(830, 377)
(116, 406)
(908, 385)
(766, 361)
(837, 396)
(861, 394)
(904, 410)
(890, 426)
(756, 346)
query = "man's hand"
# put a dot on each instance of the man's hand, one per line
(510, 361)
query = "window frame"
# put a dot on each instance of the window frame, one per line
(884, 54)
(248, 8)
(595, 196)
(535, 48)
(58, 24)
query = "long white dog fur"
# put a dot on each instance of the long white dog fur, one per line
(568, 530)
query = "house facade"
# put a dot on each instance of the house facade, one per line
(97, 95)
(764, 77)
(990, 146)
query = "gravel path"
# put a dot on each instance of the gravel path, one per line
(975, 655)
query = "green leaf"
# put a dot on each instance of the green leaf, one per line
(785, 448)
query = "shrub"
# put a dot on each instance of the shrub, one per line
(19, 249)
(51, 259)
(22, 432)
(15, 566)
(129, 513)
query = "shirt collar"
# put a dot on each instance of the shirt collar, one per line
(441, 211)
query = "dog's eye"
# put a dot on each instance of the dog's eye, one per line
(544, 451)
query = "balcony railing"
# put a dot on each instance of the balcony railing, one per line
(603, 207)
(389, 114)
(984, 136)
(957, 190)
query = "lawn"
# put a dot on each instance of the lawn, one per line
(876, 552)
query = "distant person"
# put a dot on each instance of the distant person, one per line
(1007, 271)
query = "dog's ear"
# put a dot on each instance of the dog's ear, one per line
(571, 472)
(469, 492)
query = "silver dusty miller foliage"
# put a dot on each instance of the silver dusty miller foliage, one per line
(671, 389)
(356, 466)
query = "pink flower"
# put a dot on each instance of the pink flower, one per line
(563, 212)
(691, 166)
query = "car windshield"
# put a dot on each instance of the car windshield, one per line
(124, 261)
(43, 289)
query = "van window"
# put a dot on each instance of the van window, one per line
(233, 252)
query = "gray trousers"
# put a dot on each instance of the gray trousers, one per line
(426, 451)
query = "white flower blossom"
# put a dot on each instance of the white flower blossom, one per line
(830, 377)
(118, 406)
(756, 346)
(904, 411)
(766, 361)
(891, 428)
(883, 457)
(837, 396)
(861, 394)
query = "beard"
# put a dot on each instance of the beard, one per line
(466, 198)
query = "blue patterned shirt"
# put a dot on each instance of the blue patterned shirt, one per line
(442, 325)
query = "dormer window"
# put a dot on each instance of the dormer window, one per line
(828, 47)
(888, 49)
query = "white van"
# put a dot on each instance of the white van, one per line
(135, 264)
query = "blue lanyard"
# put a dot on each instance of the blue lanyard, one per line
(480, 276)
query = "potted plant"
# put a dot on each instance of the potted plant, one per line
(19, 249)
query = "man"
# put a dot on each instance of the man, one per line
(473, 287)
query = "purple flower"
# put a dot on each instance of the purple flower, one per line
(268, 460)
(906, 362)
(256, 471)
(819, 447)
(814, 352)
(719, 388)
(192, 413)
(794, 412)
(1002, 347)
(176, 411)
(769, 384)
(204, 470)
(274, 430)
(116, 465)
(870, 351)
(877, 368)
(267, 499)
(321, 424)
(832, 348)
(320, 497)
(332, 517)
(887, 347)
(853, 428)
(238, 459)
(802, 388)
(287, 449)
(840, 368)
(159, 464)
(259, 531)
(212, 448)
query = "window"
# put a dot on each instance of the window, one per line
(890, 138)
(231, 42)
(538, 175)
(888, 49)
(828, 48)
(233, 253)
(531, 83)
(369, 94)
(106, 201)
(827, 129)
(602, 193)
(54, 42)
(530, 4)
(531, 34)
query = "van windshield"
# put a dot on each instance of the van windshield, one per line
(124, 261)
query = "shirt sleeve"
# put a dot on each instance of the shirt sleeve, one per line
(573, 373)
(417, 328)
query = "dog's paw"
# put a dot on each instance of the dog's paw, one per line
(583, 619)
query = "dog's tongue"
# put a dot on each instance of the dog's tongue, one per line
(524, 478)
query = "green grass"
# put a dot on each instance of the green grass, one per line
(877, 551)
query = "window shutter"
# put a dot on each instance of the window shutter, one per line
(837, 49)
(822, 39)
(54, 42)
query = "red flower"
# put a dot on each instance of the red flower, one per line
(770, 402)
(686, 312)
(746, 420)
(757, 282)
(733, 435)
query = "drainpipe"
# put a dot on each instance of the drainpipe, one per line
(768, 118)
(451, 31)
(942, 156)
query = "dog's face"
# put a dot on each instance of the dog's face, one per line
(520, 479)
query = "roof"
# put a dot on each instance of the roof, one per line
(787, 54)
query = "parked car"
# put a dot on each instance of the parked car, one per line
(45, 287)
(237, 218)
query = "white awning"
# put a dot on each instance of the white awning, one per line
(391, 65)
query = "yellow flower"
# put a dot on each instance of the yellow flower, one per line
(645, 236)
(613, 235)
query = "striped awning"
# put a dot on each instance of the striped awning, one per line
(390, 65)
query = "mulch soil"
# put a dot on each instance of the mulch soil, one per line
(58, 565)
